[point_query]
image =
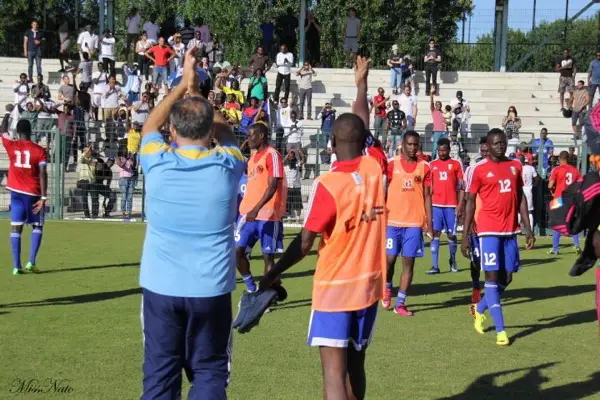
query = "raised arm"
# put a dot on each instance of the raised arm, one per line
(361, 106)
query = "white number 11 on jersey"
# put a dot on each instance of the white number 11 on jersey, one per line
(19, 162)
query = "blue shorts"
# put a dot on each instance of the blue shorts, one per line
(248, 233)
(21, 210)
(405, 242)
(338, 329)
(498, 252)
(474, 247)
(444, 220)
(279, 245)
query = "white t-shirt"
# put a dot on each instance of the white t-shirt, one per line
(88, 42)
(281, 60)
(111, 100)
(133, 24)
(463, 115)
(107, 48)
(152, 31)
(528, 175)
(49, 105)
(333, 157)
(407, 104)
(283, 116)
(102, 77)
(21, 92)
(292, 176)
(294, 130)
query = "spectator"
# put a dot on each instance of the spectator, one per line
(286, 27)
(249, 114)
(134, 84)
(439, 123)
(283, 116)
(221, 64)
(99, 80)
(214, 51)
(259, 61)
(40, 90)
(327, 117)
(511, 124)
(579, 101)
(187, 33)
(525, 151)
(141, 47)
(409, 104)
(292, 166)
(233, 113)
(312, 31)
(85, 68)
(380, 120)
(30, 112)
(151, 28)
(87, 42)
(396, 124)
(567, 67)
(134, 138)
(65, 45)
(161, 55)
(408, 72)
(204, 31)
(21, 88)
(140, 110)
(394, 63)
(66, 91)
(294, 130)
(235, 74)
(66, 128)
(110, 100)
(197, 43)
(46, 115)
(32, 49)
(127, 182)
(351, 34)
(284, 62)
(544, 146)
(572, 156)
(235, 90)
(457, 151)
(107, 52)
(152, 94)
(432, 59)
(179, 49)
(258, 86)
(133, 22)
(268, 38)
(101, 186)
(305, 74)
(232, 102)
(461, 112)
(594, 77)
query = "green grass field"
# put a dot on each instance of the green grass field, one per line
(79, 321)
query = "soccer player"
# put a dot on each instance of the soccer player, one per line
(263, 204)
(560, 178)
(447, 194)
(347, 208)
(529, 177)
(475, 262)
(499, 184)
(28, 185)
(409, 210)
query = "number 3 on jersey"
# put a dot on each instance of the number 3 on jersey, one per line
(569, 178)
(504, 186)
(22, 159)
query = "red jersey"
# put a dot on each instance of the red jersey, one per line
(498, 184)
(563, 176)
(25, 159)
(446, 178)
(161, 55)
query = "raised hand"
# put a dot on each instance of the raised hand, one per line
(189, 69)
(361, 69)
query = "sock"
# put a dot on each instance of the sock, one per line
(531, 220)
(555, 241)
(15, 245)
(482, 305)
(249, 282)
(388, 285)
(492, 294)
(401, 299)
(36, 242)
(452, 245)
(435, 253)
(576, 240)
(475, 275)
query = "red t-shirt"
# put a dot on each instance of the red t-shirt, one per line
(25, 159)
(380, 111)
(447, 177)
(563, 176)
(320, 215)
(409, 167)
(161, 55)
(274, 163)
(498, 185)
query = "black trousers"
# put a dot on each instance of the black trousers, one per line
(143, 65)
(95, 189)
(286, 86)
(109, 66)
(431, 70)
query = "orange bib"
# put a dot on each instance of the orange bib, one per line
(406, 197)
(351, 268)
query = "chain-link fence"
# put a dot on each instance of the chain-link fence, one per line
(94, 167)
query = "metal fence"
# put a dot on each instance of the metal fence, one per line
(115, 189)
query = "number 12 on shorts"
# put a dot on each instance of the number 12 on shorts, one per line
(489, 259)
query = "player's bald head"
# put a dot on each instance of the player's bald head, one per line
(349, 129)
(192, 118)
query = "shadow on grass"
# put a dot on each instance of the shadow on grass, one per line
(582, 317)
(90, 267)
(285, 275)
(83, 298)
(293, 304)
(530, 262)
(528, 386)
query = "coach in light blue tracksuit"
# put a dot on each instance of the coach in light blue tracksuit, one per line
(187, 271)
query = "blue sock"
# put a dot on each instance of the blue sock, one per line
(555, 241)
(492, 294)
(482, 305)
(36, 242)
(401, 299)
(388, 285)
(249, 282)
(15, 245)
(452, 245)
(435, 253)
(576, 240)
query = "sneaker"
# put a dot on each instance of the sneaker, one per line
(479, 321)
(578, 250)
(453, 266)
(403, 311)
(386, 302)
(552, 253)
(502, 339)
(32, 268)
(18, 271)
(433, 271)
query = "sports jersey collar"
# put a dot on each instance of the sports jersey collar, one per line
(346, 165)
